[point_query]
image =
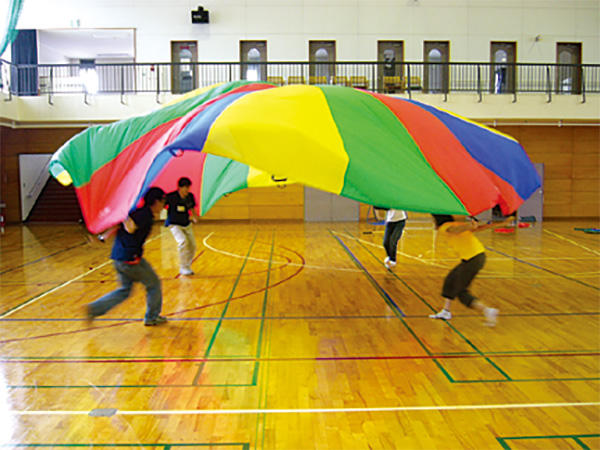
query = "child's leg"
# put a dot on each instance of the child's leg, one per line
(396, 234)
(470, 270)
(449, 292)
(387, 238)
(457, 283)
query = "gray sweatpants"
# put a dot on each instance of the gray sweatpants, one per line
(186, 244)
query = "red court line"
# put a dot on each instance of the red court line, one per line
(193, 261)
(239, 297)
(291, 359)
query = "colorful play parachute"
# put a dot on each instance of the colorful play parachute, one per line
(373, 148)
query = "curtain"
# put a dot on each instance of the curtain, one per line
(14, 9)
(24, 74)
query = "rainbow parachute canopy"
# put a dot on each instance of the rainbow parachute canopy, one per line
(373, 148)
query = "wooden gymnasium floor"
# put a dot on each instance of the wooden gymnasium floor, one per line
(294, 336)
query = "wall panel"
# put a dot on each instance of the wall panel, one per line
(571, 156)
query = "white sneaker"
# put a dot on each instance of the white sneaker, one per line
(491, 316)
(186, 272)
(443, 314)
(389, 263)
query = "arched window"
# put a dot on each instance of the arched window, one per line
(322, 56)
(253, 69)
(566, 73)
(435, 71)
(501, 57)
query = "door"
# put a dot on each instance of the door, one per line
(33, 175)
(319, 54)
(534, 205)
(568, 71)
(390, 71)
(502, 69)
(184, 73)
(252, 54)
(321, 206)
(436, 55)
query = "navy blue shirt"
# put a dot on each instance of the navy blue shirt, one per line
(178, 213)
(128, 247)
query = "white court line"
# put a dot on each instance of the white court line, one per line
(56, 288)
(572, 242)
(406, 255)
(66, 283)
(163, 412)
(307, 266)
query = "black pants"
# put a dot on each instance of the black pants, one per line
(458, 280)
(393, 232)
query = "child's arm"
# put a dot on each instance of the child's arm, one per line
(460, 227)
(487, 226)
(102, 237)
(129, 225)
(195, 217)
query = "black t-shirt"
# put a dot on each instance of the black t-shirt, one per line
(128, 247)
(179, 209)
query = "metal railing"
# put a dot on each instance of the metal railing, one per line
(407, 77)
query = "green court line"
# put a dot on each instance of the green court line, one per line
(581, 444)
(139, 386)
(494, 365)
(575, 437)
(524, 380)
(394, 309)
(543, 268)
(218, 326)
(263, 313)
(262, 392)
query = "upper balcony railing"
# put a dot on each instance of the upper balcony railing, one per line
(384, 77)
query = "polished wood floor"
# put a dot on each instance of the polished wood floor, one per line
(294, 336)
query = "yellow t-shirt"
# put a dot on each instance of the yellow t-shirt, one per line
(465, 244)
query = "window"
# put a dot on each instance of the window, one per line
(253, 55)
(435, 70)
(184, 71)
(502, 67)
(88, 75)
(390, 70)
(568, 73)
(321, 52)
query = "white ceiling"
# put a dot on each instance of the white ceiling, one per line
(86, 44)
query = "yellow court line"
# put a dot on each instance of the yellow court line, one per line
(164, 412)
(572, 242)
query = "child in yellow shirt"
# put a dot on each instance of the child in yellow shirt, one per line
(459, 236)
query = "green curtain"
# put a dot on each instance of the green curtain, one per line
(14, 10)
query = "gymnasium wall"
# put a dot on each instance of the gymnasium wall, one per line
(570, 154)
(24, 141)
(571, 157)
(356, 26)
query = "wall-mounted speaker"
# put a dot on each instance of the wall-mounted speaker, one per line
(200, 15)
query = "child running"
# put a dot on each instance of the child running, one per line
(459, 235)
(395, 220)
(180, 204)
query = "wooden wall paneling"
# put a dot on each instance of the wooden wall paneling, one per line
(571, 155)
(586, 185)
